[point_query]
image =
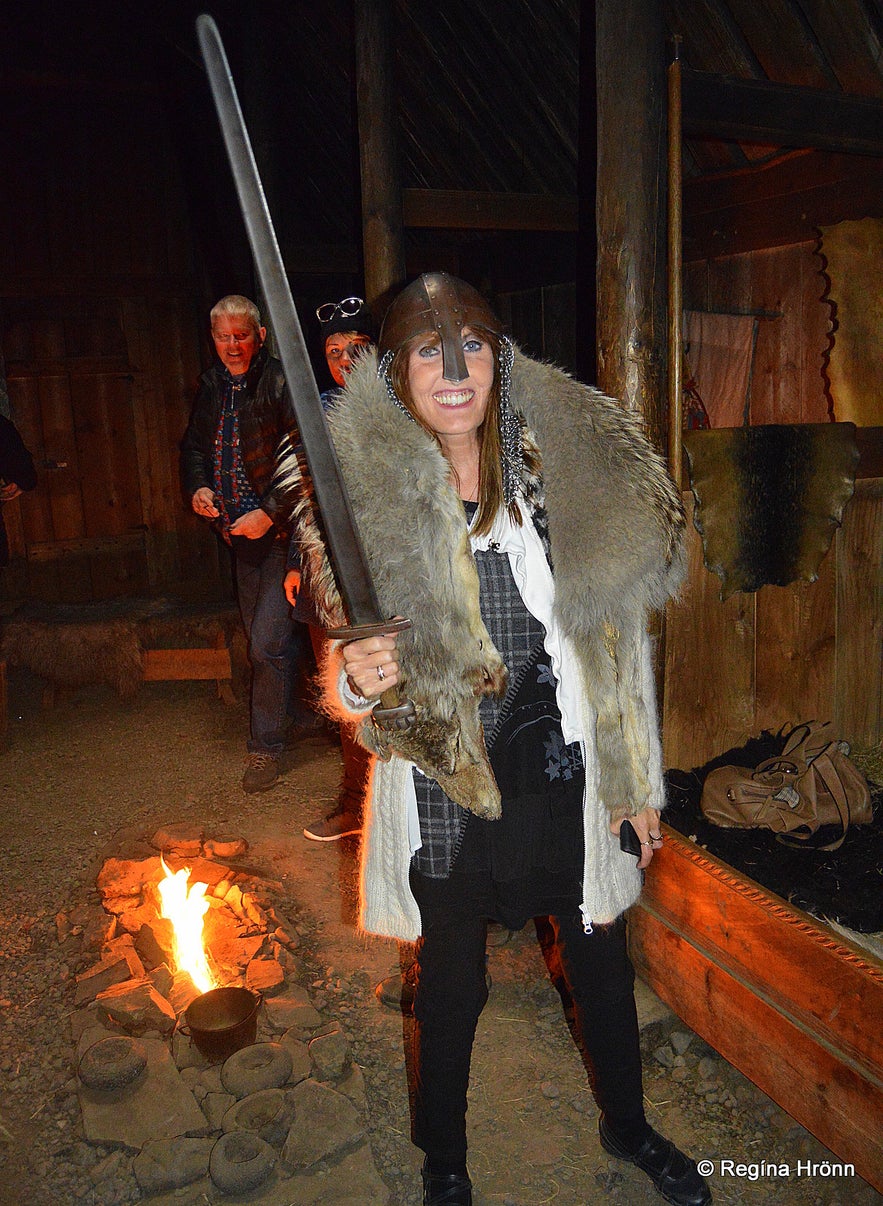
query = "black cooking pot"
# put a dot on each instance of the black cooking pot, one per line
(222, 1020)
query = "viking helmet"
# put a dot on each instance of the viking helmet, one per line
(442, 304)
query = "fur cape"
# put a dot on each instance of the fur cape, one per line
(615, 525)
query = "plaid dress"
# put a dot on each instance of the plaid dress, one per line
(529, 861)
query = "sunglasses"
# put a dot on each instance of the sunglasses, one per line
(349, 308)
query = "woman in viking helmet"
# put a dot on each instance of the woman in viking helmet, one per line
(485, 482)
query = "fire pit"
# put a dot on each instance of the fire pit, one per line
(194, 966)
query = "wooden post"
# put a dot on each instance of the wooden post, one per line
(382, 230)
(587, 239)
(631, 207)
(675, 273)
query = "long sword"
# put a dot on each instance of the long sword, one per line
(347, 554)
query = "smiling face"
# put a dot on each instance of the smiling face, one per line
(454, 412)
(237, 341)
(341, 350)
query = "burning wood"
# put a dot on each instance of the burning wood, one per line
(185, 906)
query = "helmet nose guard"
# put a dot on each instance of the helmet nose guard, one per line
(441, 304)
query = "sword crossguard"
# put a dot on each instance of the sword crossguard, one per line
(356, 632)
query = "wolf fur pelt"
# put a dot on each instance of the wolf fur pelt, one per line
(615, 529)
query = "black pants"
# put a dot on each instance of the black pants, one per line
(452, 992)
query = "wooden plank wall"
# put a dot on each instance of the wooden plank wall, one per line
(786, 286)
(784, 654)
(542, 321)
(808, 651)
(100, 319)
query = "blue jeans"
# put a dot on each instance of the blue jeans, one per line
(275, 642)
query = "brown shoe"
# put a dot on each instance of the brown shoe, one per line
(261, 773)
(333, 827)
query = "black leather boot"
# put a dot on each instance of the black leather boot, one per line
(449, 1190)
(675, 1175)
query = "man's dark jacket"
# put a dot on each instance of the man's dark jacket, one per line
(16, 465)
(265, 416)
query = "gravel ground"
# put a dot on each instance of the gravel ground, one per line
(75, 777)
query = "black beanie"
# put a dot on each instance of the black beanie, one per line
(362, 323)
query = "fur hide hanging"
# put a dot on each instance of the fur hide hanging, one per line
(615, 528)
(769, 499)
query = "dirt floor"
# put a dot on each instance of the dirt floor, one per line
(75, 776)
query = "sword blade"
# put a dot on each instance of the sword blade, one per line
(345, 548)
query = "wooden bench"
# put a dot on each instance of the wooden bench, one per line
(174, 664)
(795, 1007)
(122, 643)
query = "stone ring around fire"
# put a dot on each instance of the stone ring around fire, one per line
(240, 1161)
(260, 1066)
(267, 1113)
(112, 1063)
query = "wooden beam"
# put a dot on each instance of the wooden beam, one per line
(74, 284)
(162, 665)
(783, 115)
(775, 991)
(631, 208)
(778, 203)
(458, 209)
(382, 232)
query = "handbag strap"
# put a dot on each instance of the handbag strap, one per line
(829, 775)
(796, 737)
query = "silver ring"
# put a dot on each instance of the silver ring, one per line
(655, 837)
(380, 673)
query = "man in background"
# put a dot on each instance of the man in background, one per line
(241, 412)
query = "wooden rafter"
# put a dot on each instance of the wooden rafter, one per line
(783, 115)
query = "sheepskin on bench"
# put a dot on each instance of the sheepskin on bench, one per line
(81, 644)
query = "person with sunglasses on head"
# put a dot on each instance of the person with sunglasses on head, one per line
(526, 528)
(228, 454)
(346, 331)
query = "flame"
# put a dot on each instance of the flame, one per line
(186, 907)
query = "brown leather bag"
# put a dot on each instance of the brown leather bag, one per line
(811, 783)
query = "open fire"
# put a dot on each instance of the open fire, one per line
(185, 906)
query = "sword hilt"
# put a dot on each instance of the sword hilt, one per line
(392, 712)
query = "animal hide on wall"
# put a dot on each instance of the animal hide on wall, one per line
(769, 499)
